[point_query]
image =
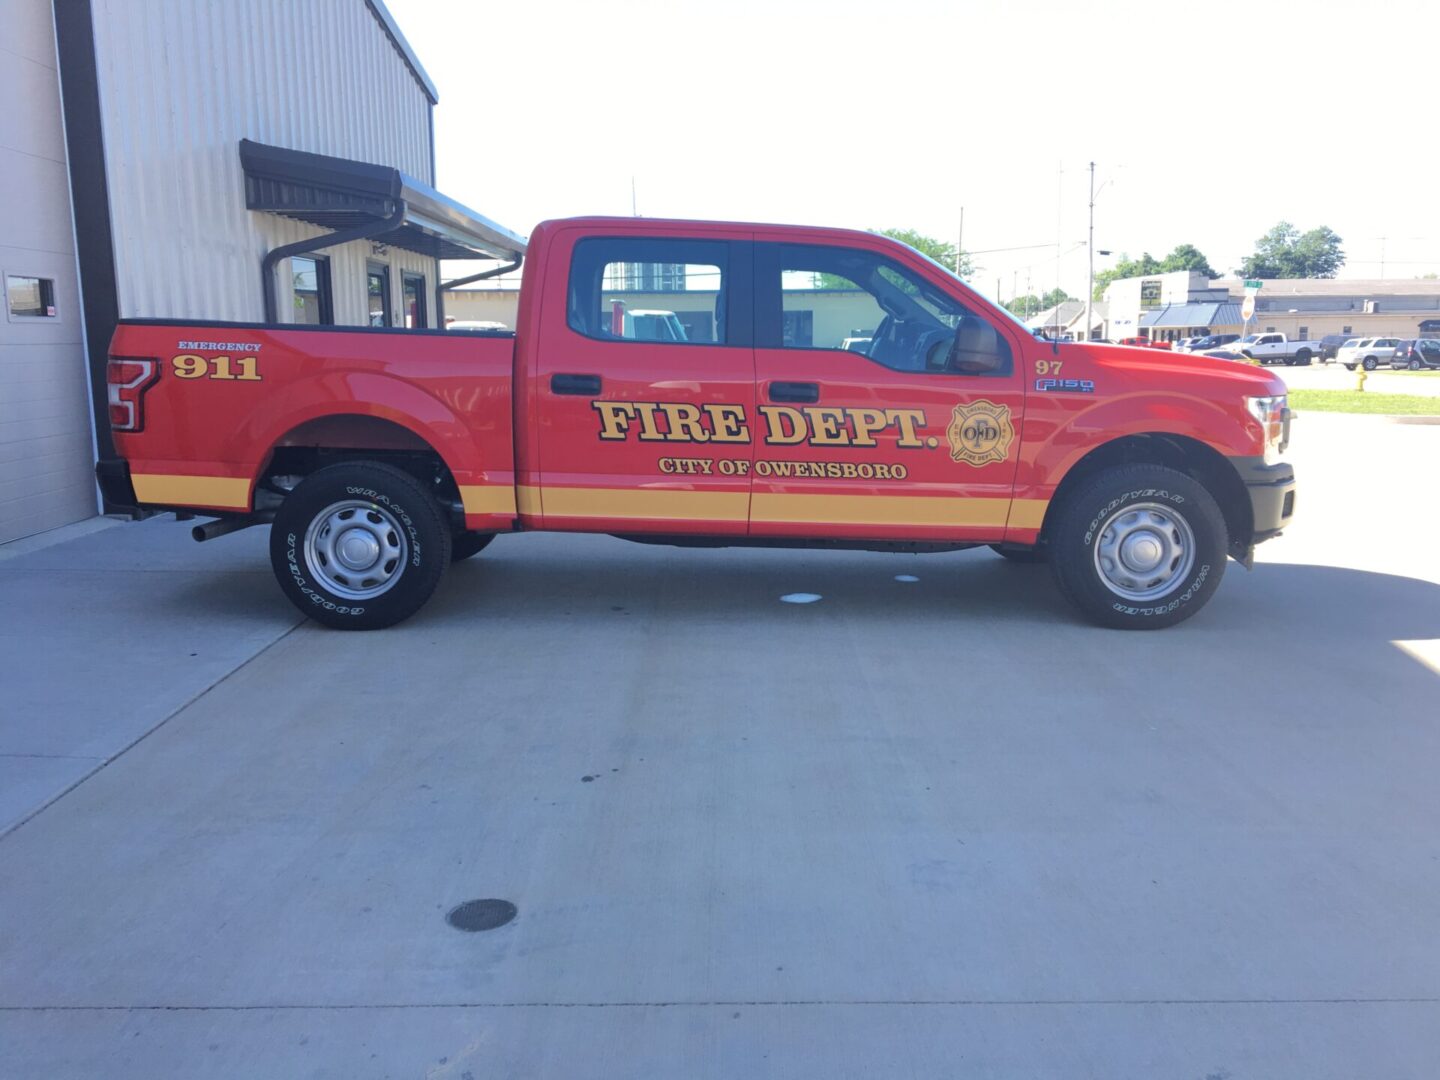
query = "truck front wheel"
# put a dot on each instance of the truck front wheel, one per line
(1138, 547)
(359, 546)
(465, 544)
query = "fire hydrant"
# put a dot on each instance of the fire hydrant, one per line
(1360, 378)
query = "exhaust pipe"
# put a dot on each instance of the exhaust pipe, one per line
(223, 526)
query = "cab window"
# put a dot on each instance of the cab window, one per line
(649, 290)
(812, 296)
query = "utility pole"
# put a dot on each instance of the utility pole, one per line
(960, 243)
(1090, 254)
(634, 210)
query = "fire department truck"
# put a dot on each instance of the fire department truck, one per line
(378, 456)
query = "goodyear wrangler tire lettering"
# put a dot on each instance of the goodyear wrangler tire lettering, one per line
(363, 528)
(1138, 547)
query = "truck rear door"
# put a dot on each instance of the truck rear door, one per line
(645, 385)
(898, 434)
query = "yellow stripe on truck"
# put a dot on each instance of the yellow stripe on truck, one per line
(220, 492)
(877, 510)
(646, 504)
(488, 498)
(773, 508)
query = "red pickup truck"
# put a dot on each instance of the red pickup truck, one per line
(736, 416)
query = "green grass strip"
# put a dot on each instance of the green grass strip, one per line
(1355, 401)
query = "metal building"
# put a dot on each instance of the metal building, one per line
(199, 161)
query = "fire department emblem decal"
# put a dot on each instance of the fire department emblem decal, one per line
(980, 433)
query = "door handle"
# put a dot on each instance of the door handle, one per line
(804, 392)
(588, 385)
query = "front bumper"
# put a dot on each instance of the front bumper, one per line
(1272, 494)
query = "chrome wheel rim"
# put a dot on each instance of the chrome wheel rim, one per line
(356, 549)
(1144, 551)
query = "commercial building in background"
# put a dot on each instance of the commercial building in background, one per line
(199, 162)
(1168, 307)
(1310, 308)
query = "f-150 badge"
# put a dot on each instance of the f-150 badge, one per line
(980, 433)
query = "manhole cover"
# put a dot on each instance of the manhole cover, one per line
(474, 915)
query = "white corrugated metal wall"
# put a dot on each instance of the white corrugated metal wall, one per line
(46, 454)
(182, 81)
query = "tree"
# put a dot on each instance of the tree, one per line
(1286, 252)
(1188, 257)
(1184, 257)
(939, 250)
(1030, 304)
(1125, 268)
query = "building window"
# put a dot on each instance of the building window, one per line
(29, 297)
(414, 287)
(1304, 333)
(1345, 330)
(377, 288)
(798, 329)
(310, 281)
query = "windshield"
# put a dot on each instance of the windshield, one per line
(942, 268)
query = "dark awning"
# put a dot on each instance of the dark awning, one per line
(336, 193)
(1193, 314)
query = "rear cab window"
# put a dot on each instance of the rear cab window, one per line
(639, 289)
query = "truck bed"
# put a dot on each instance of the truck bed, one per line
(229, 401)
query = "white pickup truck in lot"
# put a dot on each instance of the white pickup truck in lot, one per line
(1276, 349)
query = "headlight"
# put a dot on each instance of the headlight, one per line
(1271, 413)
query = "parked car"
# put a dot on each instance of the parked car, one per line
(475, 324)
(1213, 341)
(1225, 354)
(1330, 344)
(1368, 352)
(1272, 348)
(1417, 355)
(1188, 344)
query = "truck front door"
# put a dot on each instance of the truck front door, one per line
(645, 389)
(887, 408)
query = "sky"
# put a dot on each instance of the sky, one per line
(1207, 123)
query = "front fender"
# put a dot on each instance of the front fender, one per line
(1059, 444)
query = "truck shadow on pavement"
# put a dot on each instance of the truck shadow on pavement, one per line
(1276, 607)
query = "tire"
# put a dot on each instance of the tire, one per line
(394, 524)
(1303, 357)
(466, 544)
(1159, 507)
(1025, 556)
(1349, 367)
(1414, 364)
(1371, 363)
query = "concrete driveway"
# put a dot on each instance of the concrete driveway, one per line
(929, 828)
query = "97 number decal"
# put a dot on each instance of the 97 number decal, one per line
(1048, 367)
(238, 369)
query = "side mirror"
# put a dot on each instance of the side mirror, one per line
(978, 348)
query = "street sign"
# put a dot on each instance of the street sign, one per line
(1253, 286)
(1247, 309)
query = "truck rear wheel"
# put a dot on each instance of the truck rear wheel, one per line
(359, 546)
(1139, 547)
